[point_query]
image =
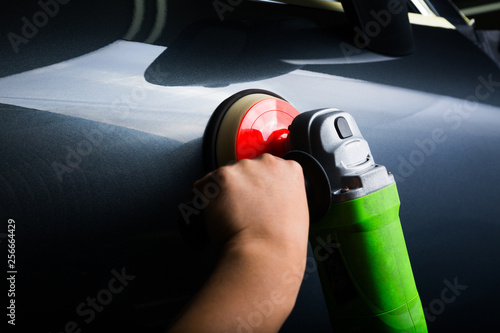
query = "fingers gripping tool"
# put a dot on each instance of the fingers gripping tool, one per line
(367, 279)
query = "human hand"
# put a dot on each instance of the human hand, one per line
(257, 218)
(259, 201)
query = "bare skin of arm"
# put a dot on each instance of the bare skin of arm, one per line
(259, 224)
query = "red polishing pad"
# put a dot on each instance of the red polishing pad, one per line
(253, 123)
(264, 129)
(246, 125)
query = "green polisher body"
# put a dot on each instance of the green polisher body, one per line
(355, 232)
(359, 247)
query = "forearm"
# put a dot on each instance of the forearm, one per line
(253, 286)
(258, 224)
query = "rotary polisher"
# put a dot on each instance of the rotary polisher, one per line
(367, 279)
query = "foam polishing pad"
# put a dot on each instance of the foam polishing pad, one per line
(246, 125)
